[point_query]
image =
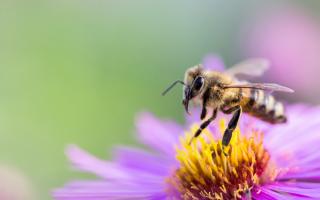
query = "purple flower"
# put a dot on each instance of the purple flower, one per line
(290, 38)
(266, 162)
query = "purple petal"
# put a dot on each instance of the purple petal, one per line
(159, 135)
(264, 193)
(101, 190)
(296, 190)
(194, 117)
(108, 170)
(141, 160)
(82, 160)
(249, 123)
(262, 196)
(213, 62)
(295, 145)
(301, 176)
(302, 184)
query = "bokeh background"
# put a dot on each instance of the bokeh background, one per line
(78, 71)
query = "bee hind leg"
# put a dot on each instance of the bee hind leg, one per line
(230, 110)
(205, 124)
(231, 126)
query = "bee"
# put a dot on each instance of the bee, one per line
(222, 91)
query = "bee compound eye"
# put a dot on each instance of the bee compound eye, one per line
(198, 83)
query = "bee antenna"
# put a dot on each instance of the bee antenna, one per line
(171, 86)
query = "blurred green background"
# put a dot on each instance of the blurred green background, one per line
(76, 71)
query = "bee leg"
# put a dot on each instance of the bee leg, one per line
(204, 104)
(230, 110)
(203, 113)
(205, 124)
(231, 126)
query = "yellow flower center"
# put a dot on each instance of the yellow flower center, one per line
(205, 172)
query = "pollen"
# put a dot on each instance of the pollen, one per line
(206, 172)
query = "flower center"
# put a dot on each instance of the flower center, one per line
(206, 172)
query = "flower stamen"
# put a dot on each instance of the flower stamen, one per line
(205, 172)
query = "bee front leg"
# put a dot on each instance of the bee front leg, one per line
(231, 126)
(203, 112)
(205, 124)
(204, 105)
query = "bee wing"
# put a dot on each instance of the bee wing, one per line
(251, 67)
(262, 86)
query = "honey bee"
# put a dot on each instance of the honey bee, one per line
(222, 91)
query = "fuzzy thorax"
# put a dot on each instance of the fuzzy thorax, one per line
(205, 172)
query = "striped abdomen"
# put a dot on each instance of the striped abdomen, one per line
(264, 106)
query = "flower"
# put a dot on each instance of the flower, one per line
(265, 162)
(290, 38)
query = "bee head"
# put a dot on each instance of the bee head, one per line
(194, 84)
